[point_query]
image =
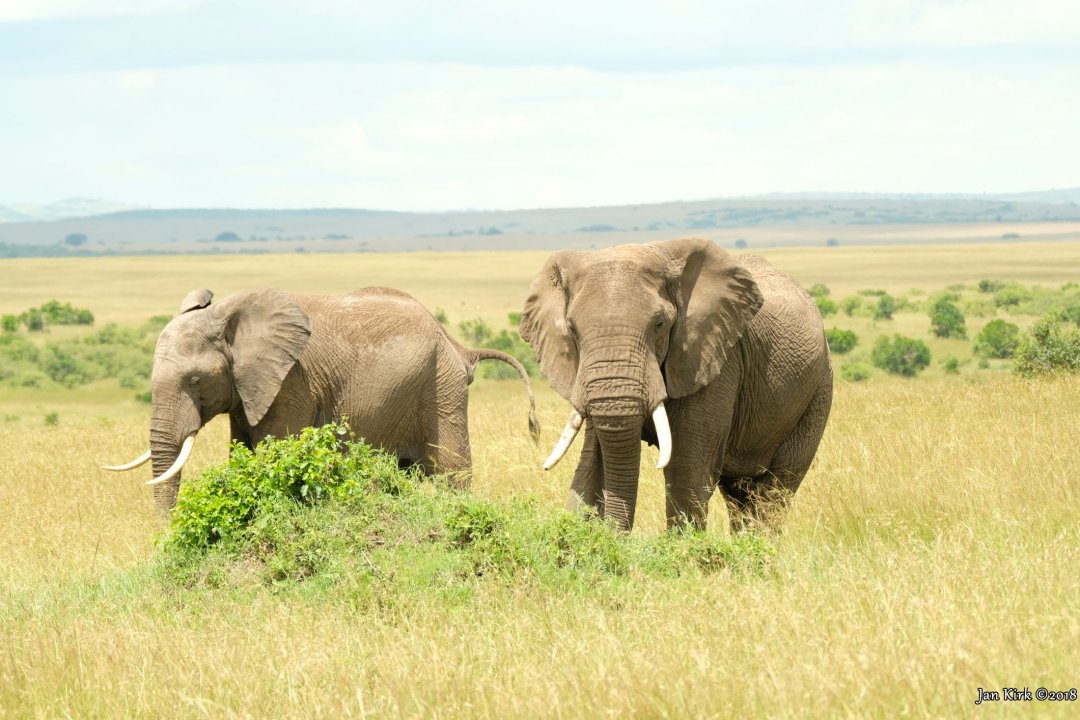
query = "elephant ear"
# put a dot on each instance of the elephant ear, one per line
(265, 333)
(543, 322)
(195, 300)
(716, 297)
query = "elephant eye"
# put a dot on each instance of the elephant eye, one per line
(570, 327)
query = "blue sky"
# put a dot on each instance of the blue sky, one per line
(485, 104)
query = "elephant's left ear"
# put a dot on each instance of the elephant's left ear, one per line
(265, 332)
(195, 300)
(716, 297)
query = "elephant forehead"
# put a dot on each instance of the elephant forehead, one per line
(629, 270)
(178, 341)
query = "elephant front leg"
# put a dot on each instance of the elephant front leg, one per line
(587, 489)
(699, 430)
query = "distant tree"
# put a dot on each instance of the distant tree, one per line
(10, 323)
(818, 290)
(885, 307)
(840, 340)
(1049, 346)
(75, 239)
(825, 306)
(34, 320)
(740, 244)
(832, 242)
(987, 285)
(227, 236)
(946, 320)
(997, 340)
(900, 355)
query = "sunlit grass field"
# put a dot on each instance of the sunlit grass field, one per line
(933, 549)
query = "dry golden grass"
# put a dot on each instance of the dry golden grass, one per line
(933, 549)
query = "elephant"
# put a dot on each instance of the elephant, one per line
(718, 360)
(277, 363)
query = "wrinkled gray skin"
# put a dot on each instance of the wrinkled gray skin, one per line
(734, 349)
(277, 363)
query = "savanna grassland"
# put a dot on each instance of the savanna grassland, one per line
(933, 549)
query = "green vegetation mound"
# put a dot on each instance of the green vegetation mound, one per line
(900, 355)
(326, 510)
(1051, 345)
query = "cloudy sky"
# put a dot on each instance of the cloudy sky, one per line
(503, 104)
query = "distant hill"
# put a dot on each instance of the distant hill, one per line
(763, 221)
(69, 208)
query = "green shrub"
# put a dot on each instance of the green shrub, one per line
(1049, 346)
(477, 333)
(997, 340)
(9, 323)
(323, 508)
(990, 286)
(946, 320)
(841, 341)
(854, 305)
(900, 355)
(52, 419)
(825, 305)
(34, 320)
(855, 372)
(1011, 295)
(440, 316)
(872, 292)
(57, 313)
(951, 365)
(818, 291)
(885, 307)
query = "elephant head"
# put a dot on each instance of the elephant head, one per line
(211, 359)
(618, 331)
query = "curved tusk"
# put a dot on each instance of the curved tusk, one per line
(141, 460)
(185, 453)
(663, 435)
(568, 434)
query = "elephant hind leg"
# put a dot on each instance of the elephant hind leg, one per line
(760, 500)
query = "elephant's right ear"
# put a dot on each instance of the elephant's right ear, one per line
(543, 322)
(195, 300)
(265, 332)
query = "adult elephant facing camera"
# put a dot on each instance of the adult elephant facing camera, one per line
(720, 361)
(277, 363)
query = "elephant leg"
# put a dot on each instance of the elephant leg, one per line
(760, 501)
(700, 425)
(587, 489)
(449, 452)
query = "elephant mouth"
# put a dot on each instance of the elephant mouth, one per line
(573, 425)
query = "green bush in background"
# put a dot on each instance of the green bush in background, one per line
(900, 355)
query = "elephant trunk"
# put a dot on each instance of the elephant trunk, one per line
(619, 386)
(620, 445)
(168, 433)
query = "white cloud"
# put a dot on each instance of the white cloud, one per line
(27, 10)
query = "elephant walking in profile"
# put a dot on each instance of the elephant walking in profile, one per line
(721, 361)
(277, 363)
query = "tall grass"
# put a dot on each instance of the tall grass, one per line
(932, 550)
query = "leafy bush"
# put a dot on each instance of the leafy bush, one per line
(855, 372)
(951, 365)
(841, 341)
(990, 286)
(1049, 346)
(946, 320)
(9, 323)
(825, 305)
(479, 334)
(64, 314)
(322, 507)
(1011, 295)
(900, 355)
(853, 306)
(52, 419)
(818, 291)
(997, 340)
(885, 307)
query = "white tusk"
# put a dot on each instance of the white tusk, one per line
(663, 435)
(568, 434)
(141, 460)
(185, 452)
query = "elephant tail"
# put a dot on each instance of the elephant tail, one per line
(489, 354)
